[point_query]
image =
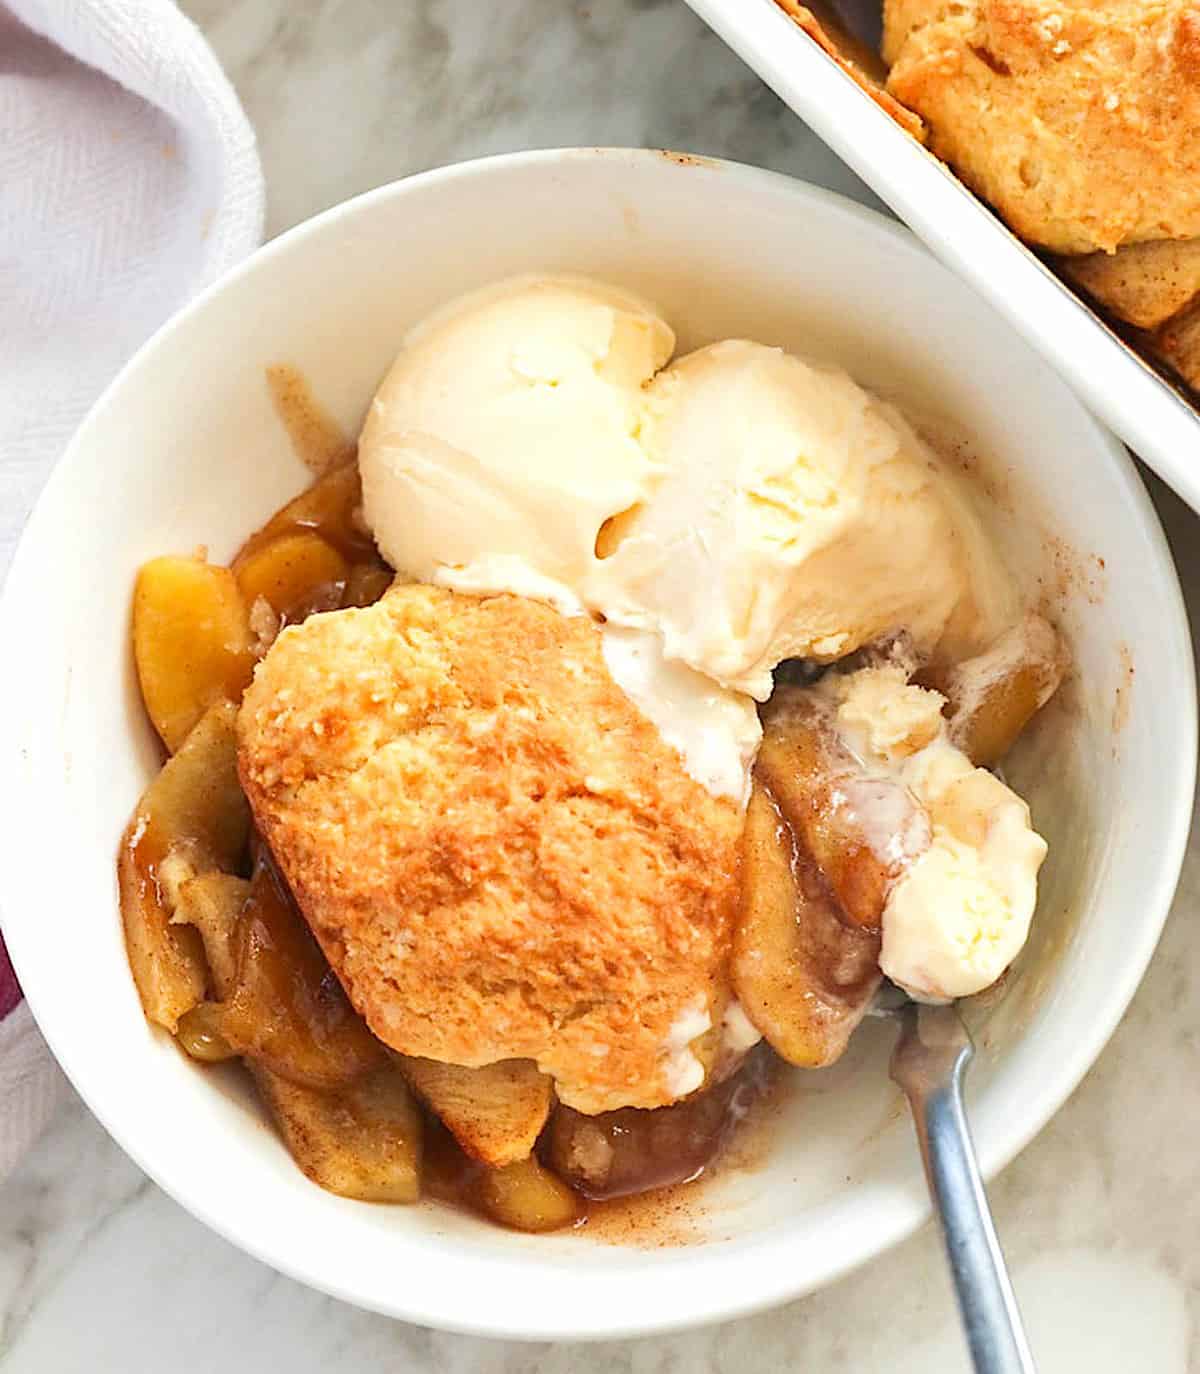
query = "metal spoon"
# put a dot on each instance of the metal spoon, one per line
(929, 1063)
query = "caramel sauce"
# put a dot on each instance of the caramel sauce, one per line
(318, 440)
(662, 1156)
(634, 1150)
(684, 1213)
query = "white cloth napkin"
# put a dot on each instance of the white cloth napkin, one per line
(128, 180)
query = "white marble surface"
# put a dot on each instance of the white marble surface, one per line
(100, 1271)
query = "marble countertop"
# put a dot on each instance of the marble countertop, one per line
(100, 1271)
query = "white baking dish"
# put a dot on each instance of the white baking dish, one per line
(1119, 386)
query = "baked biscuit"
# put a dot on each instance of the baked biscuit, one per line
(500, 856)
(1079, 120)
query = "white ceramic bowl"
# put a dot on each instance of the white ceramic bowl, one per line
(184, 449)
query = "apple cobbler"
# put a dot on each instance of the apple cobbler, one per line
(511, 864)
(224, 960)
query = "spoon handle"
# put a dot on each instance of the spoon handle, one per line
(992, 1322)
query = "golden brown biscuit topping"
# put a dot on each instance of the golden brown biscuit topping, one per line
(500, 856)
(1078, 121)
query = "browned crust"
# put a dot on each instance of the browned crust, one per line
(1079, 121)
(500, 856)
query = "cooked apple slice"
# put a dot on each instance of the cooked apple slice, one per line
(212, 904)
(495, 1113)
(191, 642)
(527, 1197)
(294, 574)
(192, 819)
(803, 974)
(631, 1150)
(167, 961)
(362, 1141)
(366, 583)
(994, 696)
(330, 508)
(195, 807)
(287, 1010)
(861, 831)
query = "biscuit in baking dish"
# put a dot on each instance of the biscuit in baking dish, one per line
(1079, 120)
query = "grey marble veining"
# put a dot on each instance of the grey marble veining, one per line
(347, 94)
(100, 1271)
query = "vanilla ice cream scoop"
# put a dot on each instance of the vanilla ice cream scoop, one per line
(960, 913)
(735, 508)
(507, 433)
(796, 517)
(502, 447)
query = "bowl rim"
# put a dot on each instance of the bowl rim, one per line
(788, 1274)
